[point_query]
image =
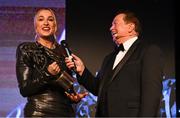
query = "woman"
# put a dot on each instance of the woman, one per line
(37, 71)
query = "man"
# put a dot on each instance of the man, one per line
(130, 79)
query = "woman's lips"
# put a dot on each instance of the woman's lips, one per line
(46, 28)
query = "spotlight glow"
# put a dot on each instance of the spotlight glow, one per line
(62, 37)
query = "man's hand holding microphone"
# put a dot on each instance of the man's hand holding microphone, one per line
(75, 64)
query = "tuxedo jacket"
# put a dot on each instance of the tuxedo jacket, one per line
(134, 87)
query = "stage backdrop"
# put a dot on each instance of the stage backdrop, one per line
(16, 26)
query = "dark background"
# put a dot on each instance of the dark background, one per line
(88, 23)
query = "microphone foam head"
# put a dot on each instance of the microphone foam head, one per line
(63, 43)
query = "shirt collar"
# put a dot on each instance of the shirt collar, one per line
(129, 42)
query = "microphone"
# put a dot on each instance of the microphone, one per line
(66, 47)
(68, 52)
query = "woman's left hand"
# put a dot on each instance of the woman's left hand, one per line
(76, 97)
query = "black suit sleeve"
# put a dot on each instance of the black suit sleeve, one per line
(151, 81)
(89, 81)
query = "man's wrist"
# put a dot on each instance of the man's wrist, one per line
(81, 72)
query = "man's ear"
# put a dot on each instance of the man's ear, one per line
(131, 27)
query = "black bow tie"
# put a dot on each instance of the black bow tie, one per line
(119, 48)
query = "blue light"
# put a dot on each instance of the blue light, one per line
(62, 37)
(16, 112)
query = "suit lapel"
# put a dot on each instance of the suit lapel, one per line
(124, 60)
(108, 69)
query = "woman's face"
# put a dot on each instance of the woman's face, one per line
(45, 23)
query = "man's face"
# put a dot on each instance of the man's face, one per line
(45, 24)
(119, 28)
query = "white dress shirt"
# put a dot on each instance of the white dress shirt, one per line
(121, 54)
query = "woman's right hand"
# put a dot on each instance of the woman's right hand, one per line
(54, 68)
(77, 63)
